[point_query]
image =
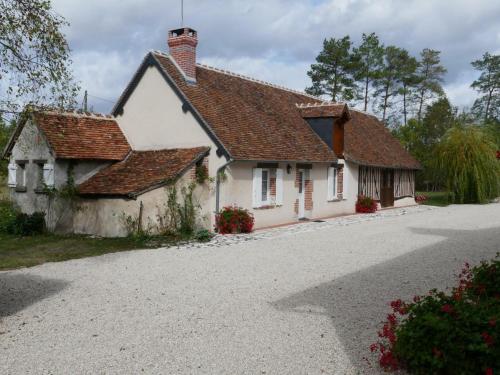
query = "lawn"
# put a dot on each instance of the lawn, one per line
(435, 198)
(16, 252)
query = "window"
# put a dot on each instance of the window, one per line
(332, 183)
(39, 176)
(12, 181)
(265, 192)
(48, 175)
(265, 186)
(21, 176)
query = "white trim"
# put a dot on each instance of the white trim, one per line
(12, 178)
(48, 174)
(267, 201)
(257, 187)
(332, 178)
(279, 187)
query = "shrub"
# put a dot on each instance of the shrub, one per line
(234, 219)
(203, 235)
(8, 216)
(420, 198)
(466, 160)
(439, 333)
(365, 205)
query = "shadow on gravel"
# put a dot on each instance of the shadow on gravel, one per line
(358, 302)
(19, 291)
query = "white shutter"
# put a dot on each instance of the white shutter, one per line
(257, 187)
(279, 187)
(48, 175)
(345, 178)
(12, 175)
(330, 183)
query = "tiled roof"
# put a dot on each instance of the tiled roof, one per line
(369, 142)
(81, 136)
(314, 110)
(253, 120)
(142, 171)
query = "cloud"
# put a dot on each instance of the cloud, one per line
(274, 40)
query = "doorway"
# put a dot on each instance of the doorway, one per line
(387, 188)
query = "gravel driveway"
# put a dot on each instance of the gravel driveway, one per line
(298, 303)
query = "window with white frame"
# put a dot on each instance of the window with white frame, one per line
(20, 175)
(48, 175)
(263, 193)
(332, 174)
(12, 178)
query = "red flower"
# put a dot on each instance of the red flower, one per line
(398, 306)
(492, 322)
(447, 309)
(489, 371)
(437, 353)
(487, 338)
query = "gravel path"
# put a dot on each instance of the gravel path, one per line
(295, 301)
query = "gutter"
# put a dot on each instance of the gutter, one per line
(217, 183)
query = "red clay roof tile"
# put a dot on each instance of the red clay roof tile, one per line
(141, 171)
(79, 136)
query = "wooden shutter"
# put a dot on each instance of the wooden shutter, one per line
(330, 183)
(257, 187)
(279, 187)
(48, 175)
(12, 175)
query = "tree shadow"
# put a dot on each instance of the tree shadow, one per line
(358, 302)
(18, 291)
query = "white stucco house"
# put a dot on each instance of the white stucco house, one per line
(282, 154)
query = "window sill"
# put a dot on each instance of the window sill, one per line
(40, 191)
(267, 207)
(337, 200)
(21, 189)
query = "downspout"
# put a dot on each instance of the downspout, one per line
(217, 184)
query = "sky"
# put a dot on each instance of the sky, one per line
(272, 40)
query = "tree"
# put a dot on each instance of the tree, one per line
(390, 77)
(466, 159)
(488, 86)
(408, 79)
(439, 117)
(368, 61)
(430, 74)
(34, 56)
(332, 74)
(4, 138)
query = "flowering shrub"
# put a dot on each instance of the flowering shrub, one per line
(234, 219)
(439, 333)
(365, 205)
(420, 198)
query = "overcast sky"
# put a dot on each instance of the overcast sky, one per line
(273, 40)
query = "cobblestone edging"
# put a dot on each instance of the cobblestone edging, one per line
(308, 226)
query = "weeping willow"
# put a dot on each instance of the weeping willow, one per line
(466, 162)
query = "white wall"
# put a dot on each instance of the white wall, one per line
(153, 119)
(238, 190)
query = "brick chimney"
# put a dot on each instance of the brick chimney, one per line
(182, 44)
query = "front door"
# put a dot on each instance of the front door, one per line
(387, 188)
(302, 201)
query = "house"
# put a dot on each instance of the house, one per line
(282, 154)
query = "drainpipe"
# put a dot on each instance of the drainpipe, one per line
(217, 184)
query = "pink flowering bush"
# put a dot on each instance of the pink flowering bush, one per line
(233, 219)
(420, 198)
(440, 333)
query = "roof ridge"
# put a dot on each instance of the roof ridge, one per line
(316, 105)
(93, 115)
(364, 112)
(255, 80)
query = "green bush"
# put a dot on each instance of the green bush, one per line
(14, 222)
(8, 216)
(466, 161)
(203, 235)
(440, 333)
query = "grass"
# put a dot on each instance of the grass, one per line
(435, 198)
(16, 252)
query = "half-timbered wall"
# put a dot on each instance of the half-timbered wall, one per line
(369, 182)
(404, 183)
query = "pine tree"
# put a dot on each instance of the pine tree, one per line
(368, 62)
(430, 74)
(488, 86)
(332, 75)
